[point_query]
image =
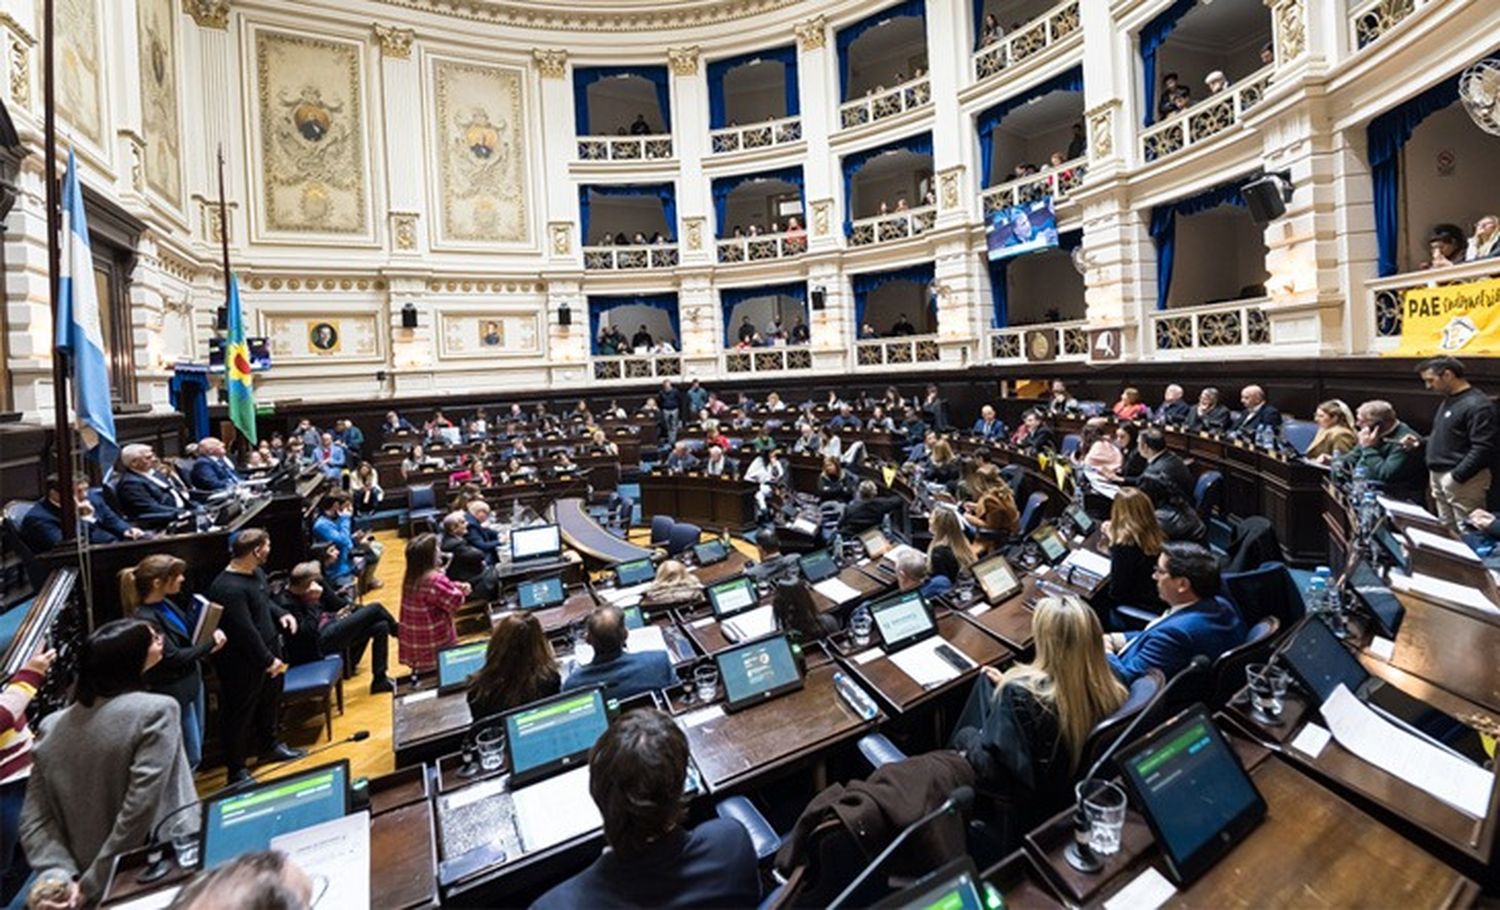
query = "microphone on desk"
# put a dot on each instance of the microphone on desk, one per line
(959, 801)
(1079, 854)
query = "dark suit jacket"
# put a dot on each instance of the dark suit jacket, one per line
(627, 673)
(1208, 627)
(713, 865)
(864, 514)
(212, 474)
(1216, 419)
(41, 527)
(1169, 467)
(1175, 412)
(1266, 416)
(1040, 439)
(481, 538)
(468, 561)
(144, 502)
(995, 430)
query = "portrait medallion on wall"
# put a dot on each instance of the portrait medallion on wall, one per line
(78, 67)
(311, 135)
(310, 337)
(323, 337)
(159, 126)
(480, 144)
(489, 335)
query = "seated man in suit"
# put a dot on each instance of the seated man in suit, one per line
(1209, 415)
(466, 562)
(485, 540)
(845, 419)
(149, 498)
(867, 509)
(637, 771)
(1174, 409)
(681, 460)
(1165, 466)
(329, 456)
(988, 425)
(773, 562)
(717, 465)
(212, 470)
(41, 527)
(1197, 620)
(1258, 413)
(912, 574)
(622, 673)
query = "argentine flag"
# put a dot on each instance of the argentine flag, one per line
(77, 333)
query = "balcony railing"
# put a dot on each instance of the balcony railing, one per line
(624, 148)
(625, 258)
(886, 103)
(638, 366)
(1386, 294)
(1057, 182)
(756, 136)
(892, 226)
(1209, 117)
(1069, 340)
(1215, 327)
(904, 349)
(1370, 19)
(763, 248)
(768, 360)
(1026, 41)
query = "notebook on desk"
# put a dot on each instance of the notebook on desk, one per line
(735, 603)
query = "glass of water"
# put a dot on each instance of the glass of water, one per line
(706, 682)
(490, 743)
(861, 624)
(1104, 806)
(183, 833)
(1268, 684)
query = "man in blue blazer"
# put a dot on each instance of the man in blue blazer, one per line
(1197, 620)
(476, 534)
(212, 469)
(41, 527)
(148, 497)
(622, 673)
(1258, 412)
(988, 425)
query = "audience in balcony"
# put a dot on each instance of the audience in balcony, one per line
(1078, 146)
(903, 326)
(991, 32)
(642, 339)
(1216, 82)
(1267, 54)
(1166, 101)
(1486, 240)
(640, 127)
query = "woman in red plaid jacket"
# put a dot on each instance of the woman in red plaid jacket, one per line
(428, 601)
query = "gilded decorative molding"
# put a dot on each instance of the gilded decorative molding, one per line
(552, 64)
(394, 41)
(599, 15)
(694, 232)
(821, 209)
(404, 230)
(562, 237)
(208, 13)
(813, 33)
(20, 73)
(294, 283)
(1101, 121)
(137, 148)
(684, 60)
(1291, 30)
(948, 187)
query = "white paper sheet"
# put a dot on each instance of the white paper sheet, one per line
(470, 795)
(338, 850)
(889, 556)
(1459, 783)
(554, 810)
(978, 609)
(921, 662)
(624, 597)
(700, 717)
(1427, 540)
(417, 697)
(1446, 592)
(804, 526)
(1311, 740)
(646, 638)
(1146, 891)
(836, 590)
(750, 624)
(156, 900)
(1406, 510)
(1382, 648)
(1088, 561)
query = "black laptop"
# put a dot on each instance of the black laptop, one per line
(537, 543)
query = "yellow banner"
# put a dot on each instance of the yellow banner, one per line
(1452, 319)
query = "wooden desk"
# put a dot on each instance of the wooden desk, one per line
(1009, 620)
(581, 532)
(712, 502)
(425, 725)
(1453, 649)
(723, 570)
(876, 672)
(862, 578)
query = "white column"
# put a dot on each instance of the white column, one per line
(948, 42)
(695, 228)
(28, 296)
(818, 77)
(558, 149)
(408, 227)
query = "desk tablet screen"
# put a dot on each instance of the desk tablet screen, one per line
(534, 542)
(901, 619)
(1082, 520)
(731, 597)
(456, 664)
(1320, 663)
(953, 887)
(1194, 792)
(246, 821)
(817, 566)
(540, 594)
(709, 552)
(757, 670)
(996, 578)
(633, 617)
(554, 733)
(1377, 598)
(634, 572)
(1051, 542)
(875, 542)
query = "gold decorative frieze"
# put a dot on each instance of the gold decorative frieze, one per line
(948, 187)
(562, 237)
(208, 13)
(813, 33)
(1101, 125)
(694, 233)
(301, 283)
(404, 230)
(552, 64)
(1290, 17)
(821, 210)
(394, 41)
(684, 60)
(598, 16)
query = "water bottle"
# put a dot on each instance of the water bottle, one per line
(1263, 438)
(1317, 595)
(1360, 483)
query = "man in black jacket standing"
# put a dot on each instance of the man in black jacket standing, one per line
(670, 399)
(250, 664)
(1462, 444)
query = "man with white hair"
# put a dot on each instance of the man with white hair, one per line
(147, 496)
(212, 470)
(1216, 82)
(1174, 408)
(912, 574)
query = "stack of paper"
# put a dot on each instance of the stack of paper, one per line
(750, 624)
(646, 638)
(921, 662)
(836, 590)
(1087, 561)
(554, 810)
(1406, 510)
(339, 851)
(1427, 540)
(1445, 592)
(624, 597)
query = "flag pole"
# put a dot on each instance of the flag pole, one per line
(63, 431)
(223, 224)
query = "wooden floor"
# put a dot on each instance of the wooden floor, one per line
(362, 710)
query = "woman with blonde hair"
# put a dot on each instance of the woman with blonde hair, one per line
(1335, 434)
(673, 586)
(948, 531)
(1023, 731)
(1135, 540)
(519, 667)
(151, 590)
(944, 464)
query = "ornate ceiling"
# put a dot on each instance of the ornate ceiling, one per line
(601, 15)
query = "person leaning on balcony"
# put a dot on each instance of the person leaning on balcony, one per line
(1078, 146)
(1447, 245)
(640, 127)
(1267, 54)
(1486, 240)
(992, 31)
(1216, 82)
(1166, 102)
(1182, 99)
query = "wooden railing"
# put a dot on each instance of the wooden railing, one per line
(768, 360)
(1371, 19)
(1385, 295)
(1214, 328)
(1057, 182)
(892, 226)
(1026, 41)
(638, 366)
(879, 105)
(1069, 340)
(625, 258)
(624, 148)
(1209, 117)
(896, 351)
(755, 136)
(761, 248)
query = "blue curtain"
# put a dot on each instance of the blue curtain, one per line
(1164, 227)
(729, 298)
(920, 144)
(717, 70)
(1067, 241)
(866, 284)
(724, 186)
(850, 33)
(978, 22)
(599, 305)
(585, 76)
(989, 119)
(664, 192)
(1153, 35)
(1387, 135)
